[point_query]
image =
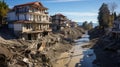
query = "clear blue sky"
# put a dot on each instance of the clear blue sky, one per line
(76, 10)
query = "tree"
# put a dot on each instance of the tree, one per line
(112, 7)
(111, 20)
(3, 11)
(90, 25)
(87, 25)
(84, 23)
(103, 16)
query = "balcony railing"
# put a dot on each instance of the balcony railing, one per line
(38, 30)
(116, 30)
(46, 12)
(24, 11)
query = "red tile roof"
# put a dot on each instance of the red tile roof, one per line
(37, 4)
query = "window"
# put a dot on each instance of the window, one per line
(33, 17)
(46, 17)
(28, 26)
(25, 16)
(40, 18)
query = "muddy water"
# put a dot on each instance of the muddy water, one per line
(77, 56)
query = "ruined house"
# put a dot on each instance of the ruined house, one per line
(116, 28)
(58, 21)
(29, 21)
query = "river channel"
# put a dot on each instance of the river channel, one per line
(77, 56)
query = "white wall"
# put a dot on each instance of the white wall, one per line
(24, 28)
(28, 17)
(17, 27)
(21, 17)
(11, 16)
(10, 26)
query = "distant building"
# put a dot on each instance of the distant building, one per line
(116, 28)
(58, 22)
(29, 21)
(70, 23)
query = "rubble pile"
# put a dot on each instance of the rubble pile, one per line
(35, 53)
(19, 55)
(73, 33)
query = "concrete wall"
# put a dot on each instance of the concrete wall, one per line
(25, 29)
(10, 25)
(21, 17)
(17, 27)
(40, 15)
(11, 16)
(27, 16)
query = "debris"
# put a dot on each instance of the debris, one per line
(35, 53)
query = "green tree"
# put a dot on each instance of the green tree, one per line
(87, 26)
(84, 25)
(103, 16)
(3, 11)
(90, 25)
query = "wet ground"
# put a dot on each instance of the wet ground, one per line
(77, 56)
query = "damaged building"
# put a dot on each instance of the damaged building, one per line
(58, 21)
(116, 29)
(29, 21)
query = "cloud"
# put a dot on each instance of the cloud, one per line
(54, 1)
(79, 13)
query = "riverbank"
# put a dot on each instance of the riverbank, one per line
(79, 55)
(106, 48)
(25, 53)
(107, 52)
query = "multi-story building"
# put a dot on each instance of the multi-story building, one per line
(116, 28)
(58, 22)
(29, 21)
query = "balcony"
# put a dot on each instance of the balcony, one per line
(33, 31)
(116, 30)
(45, 21)
(24, 11)
(48, 30)
(37, 31)
(46, 12)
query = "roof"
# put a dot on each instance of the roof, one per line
(59, 14)
(35, 4)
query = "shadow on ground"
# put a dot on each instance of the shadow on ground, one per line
(6, 33)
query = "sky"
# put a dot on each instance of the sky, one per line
(76, 10)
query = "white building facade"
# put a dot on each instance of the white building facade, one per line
(29, 21)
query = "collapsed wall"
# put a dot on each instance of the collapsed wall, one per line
(42, 52)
